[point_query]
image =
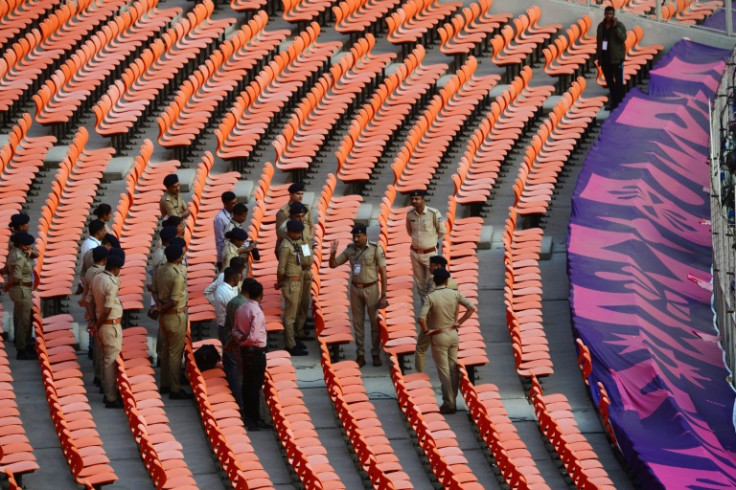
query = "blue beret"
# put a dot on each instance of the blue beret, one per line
(297, 207)
(112, 240)
(173, 252)
(19, 219)
(418, 192)
(294, 225)
(170, 180)
(438, 259)
(359, 229)
(167, 233)
(23, 238)
(114, 261)
(441, 275)
(178, 241)
(99, 253)
(296, 187)
(236, 234)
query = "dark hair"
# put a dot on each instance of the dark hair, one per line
(227, 197)
(240, 208)
(237, 262)
(229, 273)
(95, 226)
(253, 288)
(246, 284)
(102, 210)
(111, 239)
(609, 8)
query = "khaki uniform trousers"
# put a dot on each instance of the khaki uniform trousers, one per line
(420, 355)
(22, 307)
(110, 343)
(360, 300)
(173, 335)
(292, 293)
(303, 312)
(444, 353)
(420, 269)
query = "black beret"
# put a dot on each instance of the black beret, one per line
(441, 275)
(114, 261)
(297, 207)
(172, 221)
(167, 233)
(170, 180)
(173, 252)
(237, 234)
(178, 241)
(296, 187)
(359, 229)
(294, 225)
(23, 238)
(19, 219)
(438, 259)
(116, 251)
(112, 240)
(418, 192)
(99, 253)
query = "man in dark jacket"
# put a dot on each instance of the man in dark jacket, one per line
(611, 52)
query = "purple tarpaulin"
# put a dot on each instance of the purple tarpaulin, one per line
(692, 68)
(717, 20)
(636, 253)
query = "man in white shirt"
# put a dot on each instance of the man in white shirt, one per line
(222, 219)
(237, 263)
(97, 232)
(226, 291)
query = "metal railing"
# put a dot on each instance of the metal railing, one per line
(723, 203)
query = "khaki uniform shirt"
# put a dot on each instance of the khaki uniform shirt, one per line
(292, 257)
(230, 251)
(441, 307)
(158, 260)
(172, 286)
(172, 205)
(87, 261)
(426, 228)
(20, 266)
(364, 263)
(282, 216)
(451, 284)
(281, 231)
(105, 287)
(234, 224)
(89, 277)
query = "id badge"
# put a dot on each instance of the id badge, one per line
(306, 252)
(604, 46)
(357, 268)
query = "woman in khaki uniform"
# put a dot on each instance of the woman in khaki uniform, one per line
(20, 282)
(295, 256)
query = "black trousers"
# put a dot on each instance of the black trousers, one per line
(614, 74)
(254, 369)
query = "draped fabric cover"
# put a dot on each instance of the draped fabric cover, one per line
(639, 260)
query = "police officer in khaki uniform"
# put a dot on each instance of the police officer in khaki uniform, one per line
(99, 260)
(296, 194)
(20, 282)
(172, 296)
(425, 226)
(295, 256)
(238, 245)
(108, 329)
(420, 356)
(438, 319)
(171, 203)
(297, 212)
(367, 263)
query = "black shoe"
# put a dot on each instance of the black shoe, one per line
(23, 356)
(96, 381)
(305, 337)
(252, 427)
(181, 395)
(117, 403)
(300, 345)
(297, 352)
(262, 424)
(164, 390)
(31, 353)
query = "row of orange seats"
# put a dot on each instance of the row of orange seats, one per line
(230, 66)
(18, 15)
(223, 423)
(305, 10)
(149, 76)
(585, 363)
(462, 96)
(304, 451)
(522, 43)
(514, 111)
(417, 401)
(21, 158)
(16, 453)
(248, 5)
(255, 111)
(513, 460)
(375, 125)
(67, 399)
(418, 20)
(25, 62)
(136, 219)
(571, 54)
(470, 30)
(72, 87)
(64, 216)
(357, 16)
(206, 202)
(334, 94)
(160, 451)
